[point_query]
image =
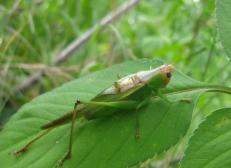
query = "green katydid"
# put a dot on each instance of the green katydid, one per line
(127, 93)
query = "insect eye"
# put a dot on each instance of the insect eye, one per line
(169, 74)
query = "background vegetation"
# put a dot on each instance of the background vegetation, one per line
(181, 32)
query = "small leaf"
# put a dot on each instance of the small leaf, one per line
(210, 147)
(224, 23)
(106, 142)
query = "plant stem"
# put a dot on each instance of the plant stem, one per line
(198, 88)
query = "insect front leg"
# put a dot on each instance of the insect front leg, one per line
(137, 124)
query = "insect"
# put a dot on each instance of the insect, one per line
(130, 92)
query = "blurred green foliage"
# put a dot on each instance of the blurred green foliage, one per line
(181, 32)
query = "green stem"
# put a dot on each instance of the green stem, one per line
(198, 88)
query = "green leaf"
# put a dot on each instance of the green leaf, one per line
(106, 142)
(210, 147)
(224, 23)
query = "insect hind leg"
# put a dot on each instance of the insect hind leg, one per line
(25, 147)
(67, 155)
